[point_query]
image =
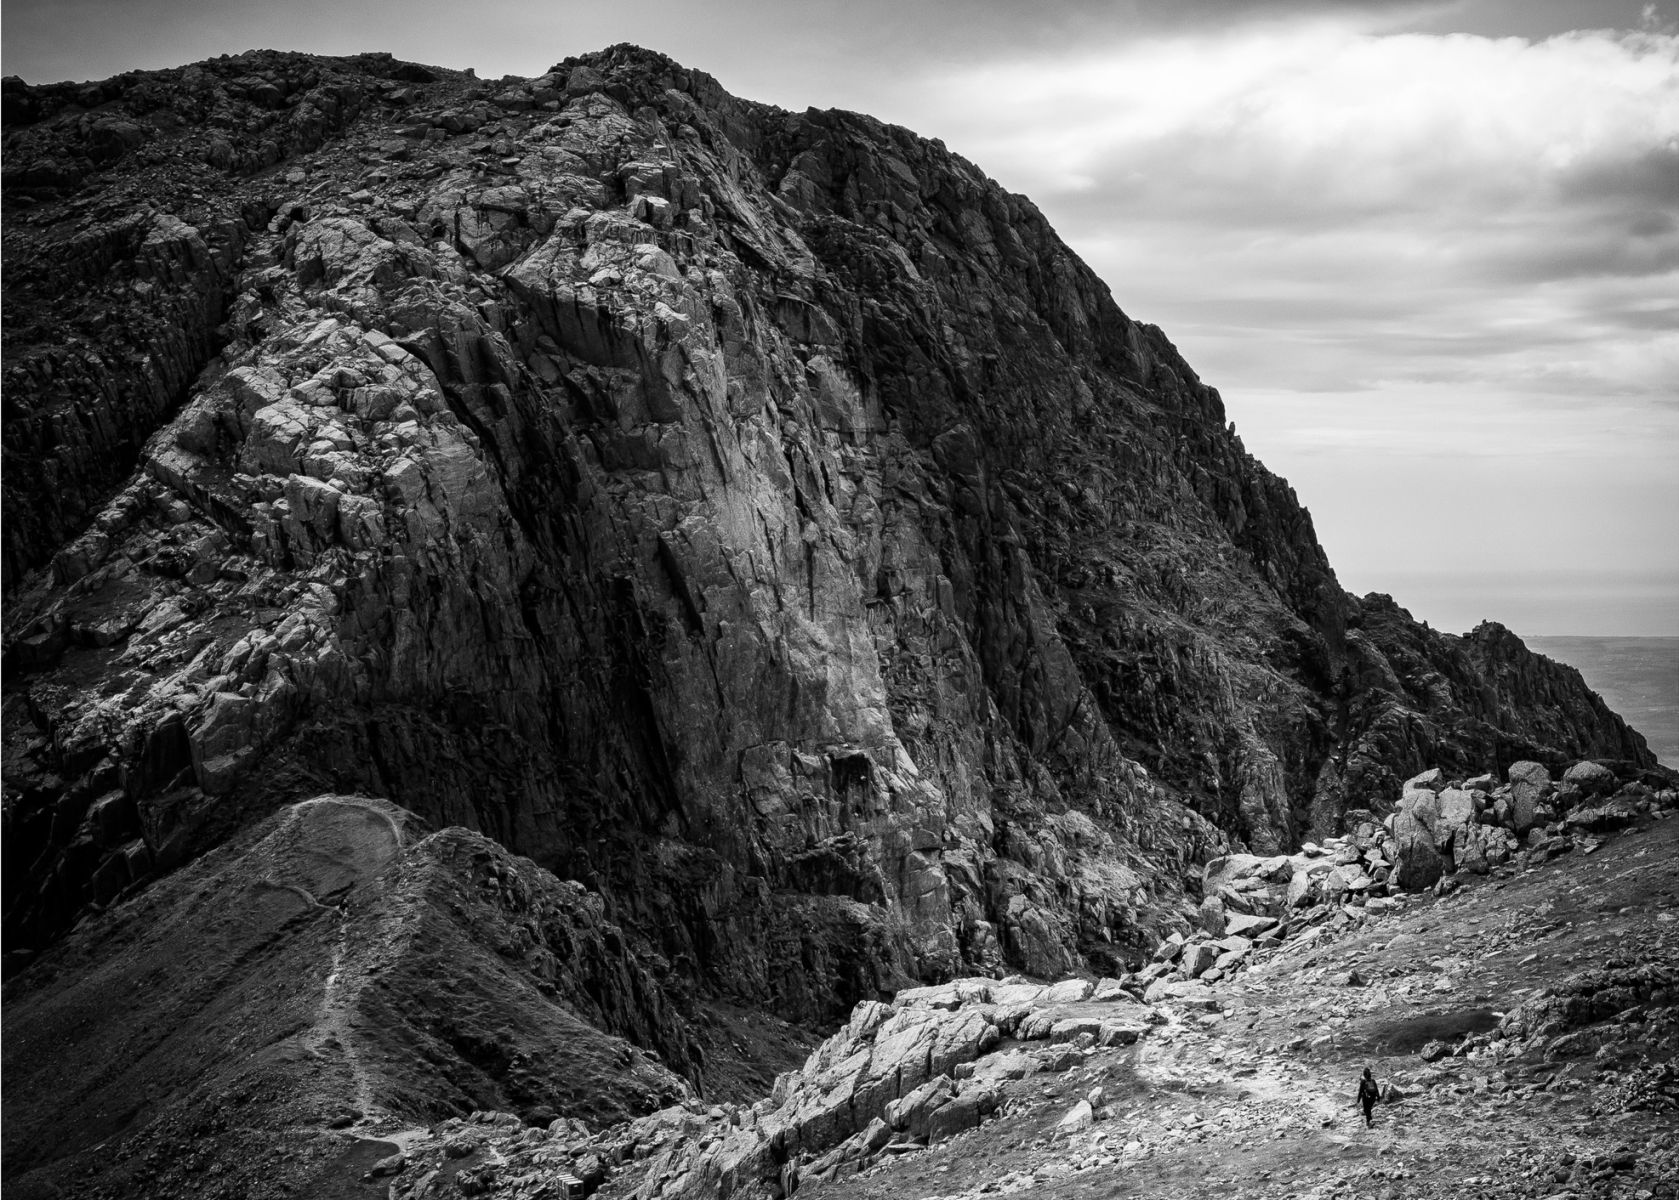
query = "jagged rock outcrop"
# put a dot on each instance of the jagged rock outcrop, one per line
(1419, 698)
(760, 518)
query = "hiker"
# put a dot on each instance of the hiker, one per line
(1368, 1094)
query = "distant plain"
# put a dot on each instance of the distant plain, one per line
(1638, 677)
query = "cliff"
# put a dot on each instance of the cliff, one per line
(760, 519)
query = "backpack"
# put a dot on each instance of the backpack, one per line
(1367, 1090)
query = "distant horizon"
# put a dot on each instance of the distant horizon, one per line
(1537, 604)
(1600, 637)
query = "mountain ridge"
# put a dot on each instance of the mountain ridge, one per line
(760, 519)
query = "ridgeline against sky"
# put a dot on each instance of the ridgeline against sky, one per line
(1428, 251)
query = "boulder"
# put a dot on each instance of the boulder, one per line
(1080, 1118)
(1417, 864)
(1613, 813)
(1245, 926)
(967, 1110)
(1457, 816)
(1480, 849)
(911, 1113)
(1198, 957)
(1116, 1031)
(1433, 779)
(1212, 916)
(1232, 868)
(1349, 877)
(1467, 854)
(1423, 804)
(1068, 991)
(1010, 1064)
(1303, 889)
(1169, 949)
(1530, 786)
(1593, 779)
(1112, 991)
(1190, 993)
(1225, 869)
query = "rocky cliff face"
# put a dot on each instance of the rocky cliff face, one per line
(761, 519)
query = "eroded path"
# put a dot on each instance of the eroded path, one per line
(1256, 1100)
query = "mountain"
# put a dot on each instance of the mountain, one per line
(759, 521)
(1637, 676)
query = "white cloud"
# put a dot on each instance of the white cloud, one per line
(1436, 277)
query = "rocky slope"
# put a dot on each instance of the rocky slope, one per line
(760, 519)
(1532, 1001)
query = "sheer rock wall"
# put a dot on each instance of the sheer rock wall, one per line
(760, 518)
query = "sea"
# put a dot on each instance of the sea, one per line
(1638, 677)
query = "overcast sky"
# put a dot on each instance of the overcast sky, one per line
(1428, 252)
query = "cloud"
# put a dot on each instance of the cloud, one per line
(1435, 276)
(1387, 206)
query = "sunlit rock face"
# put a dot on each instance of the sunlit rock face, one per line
(761, 519)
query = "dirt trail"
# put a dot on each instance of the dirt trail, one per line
(346, 844)
(1257, 1100)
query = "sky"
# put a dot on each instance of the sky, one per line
(1427, 250)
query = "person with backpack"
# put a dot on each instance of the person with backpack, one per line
(1368, 1094)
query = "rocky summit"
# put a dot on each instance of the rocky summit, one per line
(535, 607)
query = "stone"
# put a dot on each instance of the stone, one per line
(1303, 890)
(1344, 879)
(1186, 992)
(1530, 786)
(1592, 779)
(1228, 869)
(1112, 991)
(1079, 1118)
(1614, 813)
(1169, 949)
(1212, 916)
(389, 1165)
(912, 1112)
(1068, 991)
(1198, 957)
(1456, 818)
(1417, 862)
(1243, 925)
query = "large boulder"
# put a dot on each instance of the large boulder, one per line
(1226, 869)
(1482, 848)
(1593, 779)
(1417, 863)
(1610, 814)
(1302, 889)
(1530, 786)
(1457, 817)
(1349, 877)
(1242, 925)
(1433, 779)
(1198, 958)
